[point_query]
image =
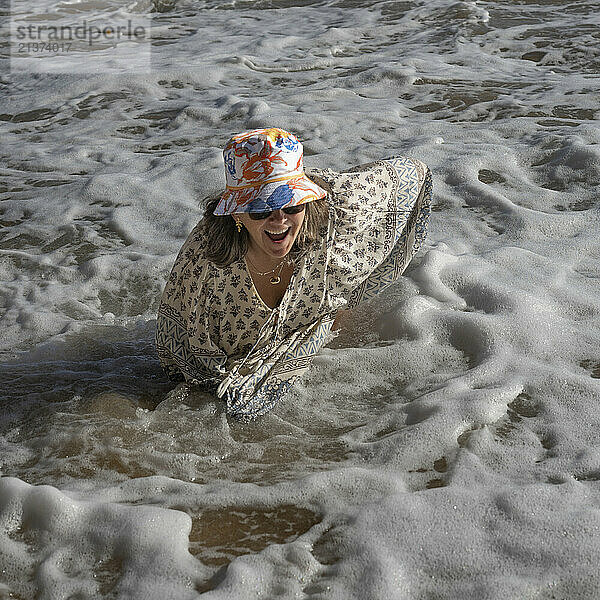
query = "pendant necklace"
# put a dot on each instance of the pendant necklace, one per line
(275, 279)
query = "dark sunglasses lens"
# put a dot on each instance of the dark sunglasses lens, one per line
(260, 216)
(293, 210)
(290, 210)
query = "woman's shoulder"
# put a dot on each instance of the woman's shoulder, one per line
(353, 185)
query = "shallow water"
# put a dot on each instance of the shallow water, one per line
(444, 445)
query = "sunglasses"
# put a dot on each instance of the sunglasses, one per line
(289, 210)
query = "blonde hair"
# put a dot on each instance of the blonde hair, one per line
(224, 245)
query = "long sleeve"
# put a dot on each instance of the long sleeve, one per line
(380, 212)
(183, 340)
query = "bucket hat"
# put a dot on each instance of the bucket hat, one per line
(264, 171)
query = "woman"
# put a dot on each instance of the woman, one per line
(255, 289)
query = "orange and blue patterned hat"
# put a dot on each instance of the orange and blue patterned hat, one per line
(264, 171)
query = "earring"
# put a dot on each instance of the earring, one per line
(239, 225)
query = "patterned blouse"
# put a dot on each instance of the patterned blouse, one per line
(214, 330)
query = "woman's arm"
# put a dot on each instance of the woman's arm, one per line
(379, 217)
(183, 342)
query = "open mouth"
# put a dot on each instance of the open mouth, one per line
(278, 236)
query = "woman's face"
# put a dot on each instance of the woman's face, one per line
(273, 237)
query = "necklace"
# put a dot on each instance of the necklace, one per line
(275, 279)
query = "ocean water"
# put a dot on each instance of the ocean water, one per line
(444, 446)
